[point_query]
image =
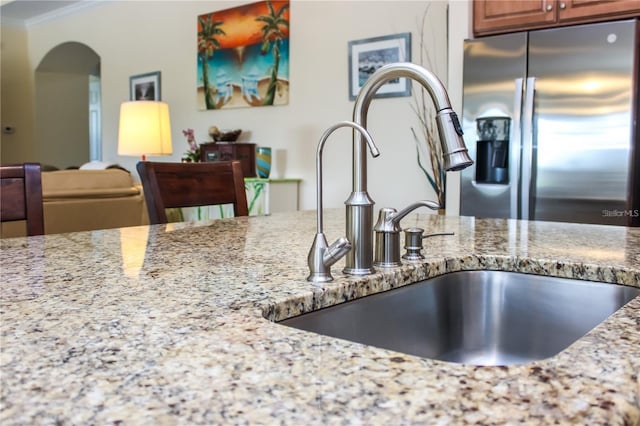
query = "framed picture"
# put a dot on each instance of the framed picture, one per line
(145, 87)
(250, 67)
(367, 55)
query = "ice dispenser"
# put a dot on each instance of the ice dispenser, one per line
(492, 163)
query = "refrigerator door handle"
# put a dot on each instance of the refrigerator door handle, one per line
(515, 149)
(527, 147)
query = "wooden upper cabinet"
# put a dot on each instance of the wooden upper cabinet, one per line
(499, 16)
(504, 16)
(596, 10)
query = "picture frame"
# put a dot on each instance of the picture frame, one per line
(367, 55)
(250, 67)
(145, 87)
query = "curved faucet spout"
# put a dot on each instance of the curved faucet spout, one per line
(449, 128)
(372, 147)
(392, 71)
(359, 204)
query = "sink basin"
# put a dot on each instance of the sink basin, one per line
(474, 317)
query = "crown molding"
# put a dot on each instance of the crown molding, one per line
(63, 11)
(11, 22)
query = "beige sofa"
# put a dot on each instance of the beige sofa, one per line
(85, 200)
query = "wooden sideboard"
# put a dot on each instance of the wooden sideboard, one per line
(227, 151)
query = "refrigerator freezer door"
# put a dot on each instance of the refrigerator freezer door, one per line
(493, 71)
(582, 122)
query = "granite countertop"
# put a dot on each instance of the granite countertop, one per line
(167, 325)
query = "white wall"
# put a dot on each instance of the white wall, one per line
(460, 23)
(16, 95)
(135, 37)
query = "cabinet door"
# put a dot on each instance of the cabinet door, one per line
(209, 152)
(246, 153)
(596, 10)
(499, 16)
(226, 152)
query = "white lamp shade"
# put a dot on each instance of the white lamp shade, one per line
(145, 128)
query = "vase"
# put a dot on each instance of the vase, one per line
(263, 161)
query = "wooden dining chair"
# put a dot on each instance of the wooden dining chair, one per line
(171, 185)
(21, 196)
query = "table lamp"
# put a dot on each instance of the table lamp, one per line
(145, 129)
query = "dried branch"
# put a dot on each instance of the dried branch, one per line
(424, 111)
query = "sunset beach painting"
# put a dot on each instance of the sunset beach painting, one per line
(243, 56)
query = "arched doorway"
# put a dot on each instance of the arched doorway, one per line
(67, 106)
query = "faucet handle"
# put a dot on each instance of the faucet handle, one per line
(335, 251)
(322, 256)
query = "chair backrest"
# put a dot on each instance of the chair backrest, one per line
(21, 195)
(170, 185)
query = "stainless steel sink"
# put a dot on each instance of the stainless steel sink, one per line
(474, 317)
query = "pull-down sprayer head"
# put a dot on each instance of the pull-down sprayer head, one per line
(454, 151)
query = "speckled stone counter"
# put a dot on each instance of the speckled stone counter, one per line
(171, 325)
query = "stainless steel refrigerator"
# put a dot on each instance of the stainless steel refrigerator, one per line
(549, 118)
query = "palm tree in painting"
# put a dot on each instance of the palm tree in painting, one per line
(272, 36)
(207, 44)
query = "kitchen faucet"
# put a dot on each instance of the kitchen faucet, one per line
(359, 215)
(321, 255)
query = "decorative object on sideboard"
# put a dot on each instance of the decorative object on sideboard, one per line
(213, 132)
(218, 135)
(145, 87)
(263, 161)
(257, 77)
(193, 154)
(145, 129)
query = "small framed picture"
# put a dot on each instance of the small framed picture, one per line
(145, 87)
(367, 55)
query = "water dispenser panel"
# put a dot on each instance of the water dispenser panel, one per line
(492, 162)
